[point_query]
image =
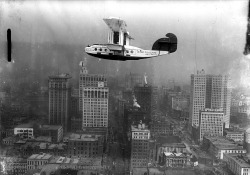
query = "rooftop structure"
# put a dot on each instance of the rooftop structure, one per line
(50, 127)
(223, 143)
(42, 156)
(25, 125)
(84, 137)
(217, 146)
(238, 164)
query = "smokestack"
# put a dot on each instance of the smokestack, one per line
(135, 102)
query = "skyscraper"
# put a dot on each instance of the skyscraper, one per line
(59, 94)
(209, 91)
(95, 106)
(88, 80)
(140, 136)
(211, 123)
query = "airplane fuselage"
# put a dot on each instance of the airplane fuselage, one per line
(121, 52)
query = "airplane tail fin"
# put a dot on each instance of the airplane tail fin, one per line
(169, 43)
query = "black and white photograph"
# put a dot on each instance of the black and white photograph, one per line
(122, 87)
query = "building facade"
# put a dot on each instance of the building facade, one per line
(24, 131)
(54, 131)
(37, 161)
(210, 123)
(175, 160)
(88, 80)
(95, 107)
(85, 145)
(14, 166)
(238, 164)
(140, 136)
(209, 91)
(219, 146)
(59, 97)
(237, 136)
(161, 128)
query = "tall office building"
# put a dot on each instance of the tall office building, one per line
(143, 96)
(211, 123)
(89, 80)
(197, 97)
(209, 91)
(140, 146)
(59, 96)
(93, 103)
(95, 106)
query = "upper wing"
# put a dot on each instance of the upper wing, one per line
(115, 24)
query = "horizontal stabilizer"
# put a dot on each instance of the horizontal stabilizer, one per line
(166, 44)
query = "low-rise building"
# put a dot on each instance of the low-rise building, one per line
(62, 165)
(218, 146)
(238, 164)
(24, 130)
(54, 131)
(161, 128)
(14, 165)
(29, 148)
(175, 160)
(9, 140)
(168, 144)
(37, 161)
(235, 135)
(85, 145)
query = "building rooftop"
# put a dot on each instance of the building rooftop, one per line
(168, 140)
(10, 138)
(223, 143)
(13, 159)
(139, 127)
(43, 139)
(42, 145)
(25, 125)
(170, 154)
(42, 156)
(79, 161)
(179, 145)
(50, 127)
(234, 132)
(84, 137)
(242, 160)
(63, 75)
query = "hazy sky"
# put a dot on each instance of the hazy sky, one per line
(211, 34)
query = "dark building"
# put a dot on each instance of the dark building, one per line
(161, 128)
(132, 80)
(134, 115)
(59, 98)
(143, 96)
(76, 123)
(54, 131)
(74, 103)
(85, 145)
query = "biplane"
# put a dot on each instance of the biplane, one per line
(119, 48)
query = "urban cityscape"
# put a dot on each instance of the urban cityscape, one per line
(134, 128)
(64, 112)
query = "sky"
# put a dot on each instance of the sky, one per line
(211, 36)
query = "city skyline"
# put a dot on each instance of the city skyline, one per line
(65, 112)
